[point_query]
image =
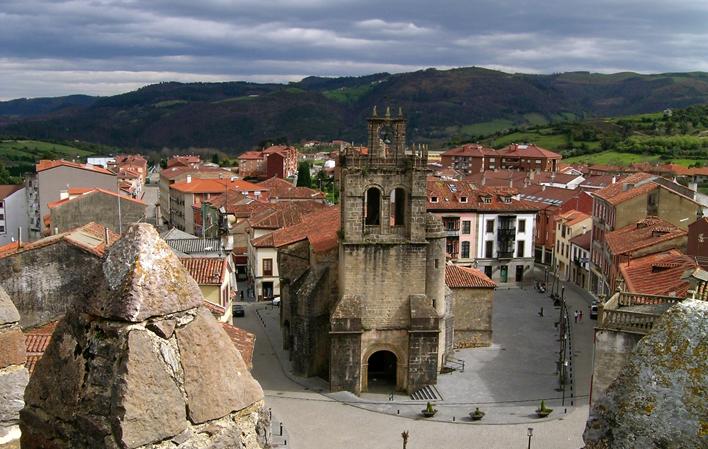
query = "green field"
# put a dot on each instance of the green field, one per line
(348, 94)
(615, 158)
(35, 149)
(543, 137)
(485, 128)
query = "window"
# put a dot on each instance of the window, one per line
(522, 225)
(520, 249)
(491, 159)
(267, 267)
(433, 199)
(490, 225)
(2, 216)
(488, 271)
(2, 229)
(466, 227)
(558, 246)
(398, 207)
(489, 249)
(486, 199)
(506, 199)
(465, 250)
(463, 199)
(373, 207)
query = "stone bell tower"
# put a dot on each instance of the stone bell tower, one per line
(387, 328)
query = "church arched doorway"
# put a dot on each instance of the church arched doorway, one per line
(381, 373)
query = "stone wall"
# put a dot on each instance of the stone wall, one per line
(384, 276)
(659, 399)
(612, 349)
(13, 374)
(473, 317)
(139, 363)
(44, 281)
(98, 207)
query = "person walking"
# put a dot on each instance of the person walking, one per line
(580, 316)
(575, 316)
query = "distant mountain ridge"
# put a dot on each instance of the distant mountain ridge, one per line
(440, 106)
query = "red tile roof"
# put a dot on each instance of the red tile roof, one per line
(251, 155)
(573, 217)
(36, 342)
(280, 215)
(643, 234)
(215, 309)
(470, 150)
(658, 274)
(547, 196)
(630, 187)
(582, 240)
(527, 150)
(464, 277)
(198, 185)
(461, 195)
(206, 270)
(320, 228)
(243, 340)
(45, 164)
(194, 170)
(281, 189)
(498, 178)
(89, 191)
(238, 204)
(89, 238)
(8, 189)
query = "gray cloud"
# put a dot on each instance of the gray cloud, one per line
(109, 46)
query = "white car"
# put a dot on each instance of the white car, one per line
(276, 301)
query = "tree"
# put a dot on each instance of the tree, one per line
(303, 175)
(215, 158)
(6, 177)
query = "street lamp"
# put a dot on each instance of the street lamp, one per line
(529, 432)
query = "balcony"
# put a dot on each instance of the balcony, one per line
(633, 312)
(505, 254)
(452, 232)
(506, 233)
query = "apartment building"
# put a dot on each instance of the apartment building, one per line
(14, 220)
(569, 224)
(470, 158)
(178, 172)
(53, 177)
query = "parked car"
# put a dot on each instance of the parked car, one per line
(239, 310)
(593, 311)
(276, 301)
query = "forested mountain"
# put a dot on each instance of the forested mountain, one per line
(441, 106)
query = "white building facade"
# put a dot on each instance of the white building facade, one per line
(14, 220)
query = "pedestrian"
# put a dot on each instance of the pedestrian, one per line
(580, 316)
(541, 312)
(575, 316)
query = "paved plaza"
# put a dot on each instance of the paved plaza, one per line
(506, 380)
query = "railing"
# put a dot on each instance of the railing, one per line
(505, 254)
(630, 321)
(452, 232)
(631, 299)
(506, 233)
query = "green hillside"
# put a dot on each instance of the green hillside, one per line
(19, 156)
(441, 106)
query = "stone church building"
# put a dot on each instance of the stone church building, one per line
(370, 311)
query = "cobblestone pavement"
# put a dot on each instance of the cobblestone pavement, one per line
(506, 381)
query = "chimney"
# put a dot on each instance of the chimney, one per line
(64, 194)
(543, 187)
(511, 182)
(189, 179)
(484, 179)
(105, 236)
(19, 236)
(614, 179)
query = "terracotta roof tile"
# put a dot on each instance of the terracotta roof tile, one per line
(464, 277)
(243, 340)
(36, 342)
(643, 234)
(470, 150)
(461, 195)
(197, 185)
(89, 237)
(573, 217)
(281, 189)
(280, 215)
(251, 155)
(582, 240)
(45, 164)
(206, 270)
(8, 189)
(630, 187)
(527, 150)
(658, 274)
(194, 170)
(320, 228)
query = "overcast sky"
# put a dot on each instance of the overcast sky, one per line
(103, 47)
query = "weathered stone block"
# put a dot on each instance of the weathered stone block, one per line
(12, 389)
(8, 311)
(215, 386)
(12, 347)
